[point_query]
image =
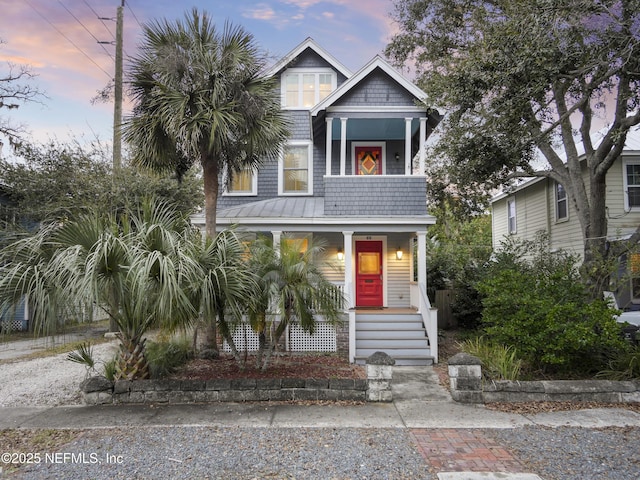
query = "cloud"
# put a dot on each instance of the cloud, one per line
(262, 11)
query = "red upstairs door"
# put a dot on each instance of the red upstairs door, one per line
(368, 160)
(369, 273)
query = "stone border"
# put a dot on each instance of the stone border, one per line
(376, 388)
(465, 377)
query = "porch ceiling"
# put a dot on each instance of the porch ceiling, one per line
(375, 129)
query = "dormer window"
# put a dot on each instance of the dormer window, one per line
(304, 88)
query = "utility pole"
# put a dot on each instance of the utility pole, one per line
(117, 104)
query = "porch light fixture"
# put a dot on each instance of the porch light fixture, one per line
(399, 253)
(397, 157)
(340, 254)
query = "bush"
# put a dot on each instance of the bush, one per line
(165, 357)
(498, 361)
(534, 301)
(624, 366)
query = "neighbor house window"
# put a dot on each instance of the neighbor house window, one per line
(296, 176)
(243, 183)
(632, 185)
(562, 212)
(305, 88)
(511, 215)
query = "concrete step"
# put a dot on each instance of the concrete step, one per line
(401, 360)
(391, 334)
(380, 343)
(389, 325)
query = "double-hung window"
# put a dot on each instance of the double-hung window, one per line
(511, 215)
(632, 185)
(296, 170)
(562, 206)
(304, 88)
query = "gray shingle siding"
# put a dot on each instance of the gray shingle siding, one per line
(377, 88)
(375, 196)
(300, 124)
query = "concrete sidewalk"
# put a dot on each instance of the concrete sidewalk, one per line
(448, 435)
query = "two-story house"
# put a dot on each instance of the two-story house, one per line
(347, 175)
(541, 204)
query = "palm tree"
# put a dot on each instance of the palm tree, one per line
(199, 98)
(138, 268)
(292, 284)
(225, 283)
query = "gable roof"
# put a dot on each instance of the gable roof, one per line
(374, 63)
(631, 146)
(311, 44)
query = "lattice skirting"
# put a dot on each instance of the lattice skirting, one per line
(14, 325)
(322, 340)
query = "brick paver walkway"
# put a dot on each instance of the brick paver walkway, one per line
(458, 450)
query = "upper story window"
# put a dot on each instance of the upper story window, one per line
(511, 215)
(243, 183)
(304, 88)
(632, 184)
(562, 206)
(295, 170)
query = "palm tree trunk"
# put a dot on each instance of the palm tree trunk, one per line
(210, 177)
(276, 341)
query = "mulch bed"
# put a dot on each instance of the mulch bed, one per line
(281, 366)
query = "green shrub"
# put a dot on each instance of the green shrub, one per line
(624, 366)
(535, 301)
(499, 362)
(165, 356)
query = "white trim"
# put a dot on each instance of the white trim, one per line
(296, 143)
(515, 216)
(376, 62)
(556, 203)
(376, 109)
(301, 47)
(380, 238)
(625, 185)
(369, 144)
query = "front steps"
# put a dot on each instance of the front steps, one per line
(400, 335)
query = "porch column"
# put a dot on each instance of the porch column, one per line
(328, 148)
(422, 259)
(348, 268)
(343, 146)
(408, 161)
(277, 235)
(423, 139)
(349, 293)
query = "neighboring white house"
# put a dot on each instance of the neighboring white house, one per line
(347, 176)
(541, 204)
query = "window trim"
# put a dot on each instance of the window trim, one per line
(512, 201)
(254, 186)
(557, 201)
(299, 72)
(625, 184)
(296, 143)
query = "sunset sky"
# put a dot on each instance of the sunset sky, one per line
(58, 40)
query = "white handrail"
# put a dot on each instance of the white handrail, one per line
(429, 320)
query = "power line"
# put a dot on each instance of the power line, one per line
(68, 39)
(88, 31)
(102, 19)
(134, 15)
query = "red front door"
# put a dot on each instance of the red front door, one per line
(368, 273)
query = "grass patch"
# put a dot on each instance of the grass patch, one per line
(34, 441)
